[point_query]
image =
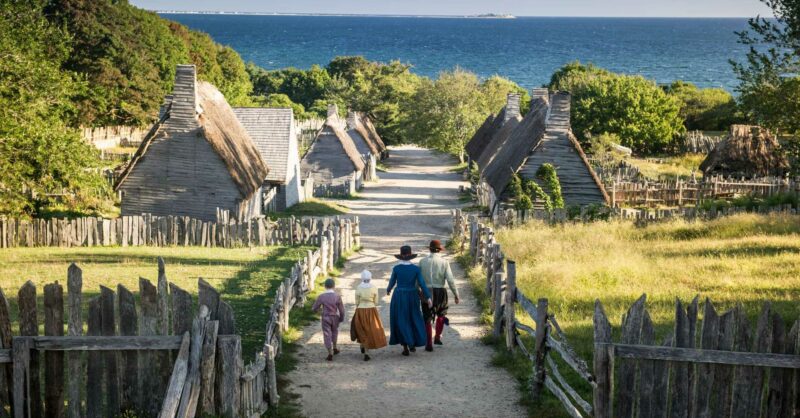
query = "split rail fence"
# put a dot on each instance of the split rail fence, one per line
(547, 336)
(720, 369)
(161, 358)
(163, 231)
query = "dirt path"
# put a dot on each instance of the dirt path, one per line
(409, 205)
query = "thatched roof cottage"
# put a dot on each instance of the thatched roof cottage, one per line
(196, 159)
(274, 133)
(748, 151)
(360, 136)
(545, 136)
(332, 160)
(494, 132)
(376, 139)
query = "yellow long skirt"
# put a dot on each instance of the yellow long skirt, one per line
(368, 329)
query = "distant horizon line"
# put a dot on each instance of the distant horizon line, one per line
(461, 16)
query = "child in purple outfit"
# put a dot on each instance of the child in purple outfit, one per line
(332, 316)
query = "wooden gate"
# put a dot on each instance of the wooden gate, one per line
(126, 361)
(734, 372)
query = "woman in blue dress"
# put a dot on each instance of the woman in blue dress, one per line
(406, 323)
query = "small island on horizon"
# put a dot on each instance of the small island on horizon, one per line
(493, 16)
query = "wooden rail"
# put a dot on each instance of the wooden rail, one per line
(506, 299)
(735, 371)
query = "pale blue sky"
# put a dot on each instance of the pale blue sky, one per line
(672, 8)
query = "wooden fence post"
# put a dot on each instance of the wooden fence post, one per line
(29, 326)
(54, 361)
(498, 304)
(540, 349)
(229, 369)
(509, 309)
(603, 363)
(272, 382)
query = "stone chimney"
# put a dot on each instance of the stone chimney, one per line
(184, 94)
(352, 119)
(512, 106)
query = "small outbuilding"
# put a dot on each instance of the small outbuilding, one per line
(747, 151)
(332, 160)
(196, 159)
(545, 136)
(275, 135)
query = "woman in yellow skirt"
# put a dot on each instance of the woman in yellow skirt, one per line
(366, 326)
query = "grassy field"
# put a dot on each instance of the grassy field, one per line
(743, 259)
(247, 278)
(313, 207)
(669, 168)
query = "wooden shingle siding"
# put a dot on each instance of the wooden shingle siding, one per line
(327, 162)
(180, 175)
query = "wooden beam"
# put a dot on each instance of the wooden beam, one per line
(176, 381)
(693, 355)
(110, 343)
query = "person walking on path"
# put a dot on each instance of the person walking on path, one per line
(436, 271)
(332, 316)
(405, 317)
(366, 326)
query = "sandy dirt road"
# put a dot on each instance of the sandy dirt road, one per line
(410, 205)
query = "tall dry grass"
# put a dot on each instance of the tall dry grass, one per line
(742, 259)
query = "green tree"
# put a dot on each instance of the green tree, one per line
(641, 113)
(447, 111)
(496, 89)
(43, 161)
(281, 101)
(769, 78)
(704, 109)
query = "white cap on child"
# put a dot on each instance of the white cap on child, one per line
(366, 276)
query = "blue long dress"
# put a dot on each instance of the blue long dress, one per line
(406, 323)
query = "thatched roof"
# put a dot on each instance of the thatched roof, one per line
(498, 141)
(545, 136)
(748, 151)
(334, 125)
(373, 133)
(481, 139)
(511, 156)
(359, 132)
(219, 126)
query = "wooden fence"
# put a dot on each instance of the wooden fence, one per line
(513, 217)
(162, 231)
(159, 358)
(683, 193)
(505, 298)
(734, 372)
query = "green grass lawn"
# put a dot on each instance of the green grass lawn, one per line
(313, 207)
(668, 168)
(247, 278)
(741, 259)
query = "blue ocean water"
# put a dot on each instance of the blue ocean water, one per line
(526, 50)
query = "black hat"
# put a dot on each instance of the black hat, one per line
(405, 253)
